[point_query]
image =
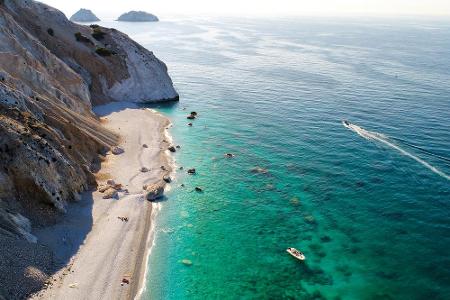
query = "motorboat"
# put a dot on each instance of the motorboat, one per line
(295, 253)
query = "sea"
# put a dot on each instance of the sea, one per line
(366, 200)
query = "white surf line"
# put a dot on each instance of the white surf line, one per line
(369, 135)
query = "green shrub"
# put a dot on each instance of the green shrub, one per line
(50, 31)
(81, 38)
(104, 52)
(98, 34)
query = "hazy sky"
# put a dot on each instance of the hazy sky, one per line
(111, 8)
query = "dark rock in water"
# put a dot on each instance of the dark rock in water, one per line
(191, 171)
(193, 113)
(181, 168)
(167, 178)
(182, 185)
(178, 147)
(229, 155)
(190, 117)
(360, 184)
(189, 124)
(172, 149)
(325, 239)
(198, 189)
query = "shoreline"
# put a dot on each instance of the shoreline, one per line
(114, 250)
(140, 288)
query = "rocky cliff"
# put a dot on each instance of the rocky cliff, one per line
(84, 15)
(51, 73)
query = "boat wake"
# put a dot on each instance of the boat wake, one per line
(375, 136)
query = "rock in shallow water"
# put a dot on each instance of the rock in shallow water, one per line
(154, 191)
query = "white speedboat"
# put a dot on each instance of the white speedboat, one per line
(295, 253)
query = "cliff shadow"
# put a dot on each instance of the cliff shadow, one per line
(65, 237)
(106, 109)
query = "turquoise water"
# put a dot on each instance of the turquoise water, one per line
(373, 222)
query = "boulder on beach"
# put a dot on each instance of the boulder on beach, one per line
(154, 191)
(138, 16)
(84, 15)
(167, 178)
(144, 170)
(110, 193)
(145, 146)
(172, 149)
(117, 151)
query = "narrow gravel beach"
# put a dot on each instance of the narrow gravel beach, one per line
(105, 256)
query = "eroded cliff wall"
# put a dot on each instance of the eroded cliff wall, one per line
(51, 73)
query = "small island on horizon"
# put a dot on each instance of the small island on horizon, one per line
(137, 16)
(84, 15)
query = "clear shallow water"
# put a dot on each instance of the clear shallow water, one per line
(373, 222)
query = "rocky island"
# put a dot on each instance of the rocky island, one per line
(138, 16)
(55, 151)
(84, 15)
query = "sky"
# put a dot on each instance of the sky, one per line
(112, 8)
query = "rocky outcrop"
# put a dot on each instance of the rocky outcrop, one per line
(138, 16)
(51, 73)
(84, 15)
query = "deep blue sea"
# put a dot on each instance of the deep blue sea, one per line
(369, 205)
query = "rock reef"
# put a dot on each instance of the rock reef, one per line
(84, 15)
(138, 16)
(52, 72)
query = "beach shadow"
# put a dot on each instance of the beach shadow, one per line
(104, 110)
(65, 237)
(160, 199)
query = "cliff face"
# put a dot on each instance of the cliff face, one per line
(51, 73)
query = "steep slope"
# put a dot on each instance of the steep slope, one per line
(51, 73)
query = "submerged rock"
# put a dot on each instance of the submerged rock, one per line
(138, 16)
(191, 171)
(259, 170)
(187, 262)
(84, 15)
(198, 189)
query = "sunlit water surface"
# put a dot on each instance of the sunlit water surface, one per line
(373, 222)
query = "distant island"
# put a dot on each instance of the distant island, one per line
(84, 15)
(138, 16)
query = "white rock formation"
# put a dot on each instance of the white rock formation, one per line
(84, 15)
(138, 16)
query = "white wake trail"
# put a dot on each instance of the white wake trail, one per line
(369, 135)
